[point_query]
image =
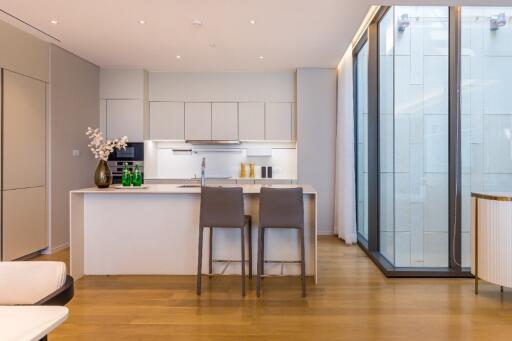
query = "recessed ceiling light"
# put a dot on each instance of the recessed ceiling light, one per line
(262, 57)
(53, 21)
(178, 56)
(142, 22)
(197, 23)
(252, 22)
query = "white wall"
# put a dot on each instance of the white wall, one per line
(316, 138)
(74, 98)
(222, 87)
(23, 53)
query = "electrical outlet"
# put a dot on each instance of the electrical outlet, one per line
(76, 152)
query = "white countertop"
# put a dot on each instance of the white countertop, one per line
(176, 189)
(221, 178)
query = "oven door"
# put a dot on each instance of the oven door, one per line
(134, 152)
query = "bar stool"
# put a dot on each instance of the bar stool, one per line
(281, 208)
(223, 207)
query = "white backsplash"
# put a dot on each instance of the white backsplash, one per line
(179, 160)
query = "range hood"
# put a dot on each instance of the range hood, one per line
(213, 142)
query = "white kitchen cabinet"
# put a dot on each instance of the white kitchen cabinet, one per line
(278, 121)
(198, 121)
(24, 131)
(167, 120)
(24, 222)
(251, 121)
(125, 117)
(224, 121)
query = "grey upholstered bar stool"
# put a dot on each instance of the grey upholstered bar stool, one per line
(223, 207)
(281, 208)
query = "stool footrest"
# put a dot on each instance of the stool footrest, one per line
(282, 262)
(264, 276)
(228, 261)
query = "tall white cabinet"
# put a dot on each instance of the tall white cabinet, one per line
(24, 228)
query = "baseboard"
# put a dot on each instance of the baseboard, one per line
(325, 233)
(58, 248)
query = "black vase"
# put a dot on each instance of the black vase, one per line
(103, 175)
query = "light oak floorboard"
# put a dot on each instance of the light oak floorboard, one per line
(353, 301)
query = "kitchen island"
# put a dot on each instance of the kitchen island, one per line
(154, 231)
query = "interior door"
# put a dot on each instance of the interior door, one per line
(24, 229)
(24, 132)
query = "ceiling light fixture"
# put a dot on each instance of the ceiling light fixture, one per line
(178, 56)
(262, 57)
(197, 23)
(53, 21)
(252, 22)
(142, 22)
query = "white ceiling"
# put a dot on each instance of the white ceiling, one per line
(288, 33)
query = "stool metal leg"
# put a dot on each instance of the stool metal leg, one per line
(210, 261)
(302, 262)
(199, 261)
(259, 262)
(262, 251)
(242, 232)
(249, 228)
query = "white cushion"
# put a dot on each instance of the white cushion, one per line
(29, 282)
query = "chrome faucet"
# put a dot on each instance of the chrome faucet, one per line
(203, 167)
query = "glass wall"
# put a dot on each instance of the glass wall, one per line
(486, 107)
(362, 139)
(386, 136)
(413, 136)
(412, 113)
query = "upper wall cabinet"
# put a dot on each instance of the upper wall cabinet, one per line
(125, 117)
(251, 121)
(198, 121)
(24, 130)
(278, 121)
(167, 120)
(224, 121)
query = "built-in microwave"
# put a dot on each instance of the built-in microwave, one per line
(133, 155)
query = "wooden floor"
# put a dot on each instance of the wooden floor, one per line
(353, 301)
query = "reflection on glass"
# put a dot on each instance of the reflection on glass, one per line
(413, 121)
(486, 106)
(362, 139)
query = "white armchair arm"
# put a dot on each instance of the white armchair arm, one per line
(29, 282)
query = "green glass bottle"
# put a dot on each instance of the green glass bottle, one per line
(137, 176)
(126, 178)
